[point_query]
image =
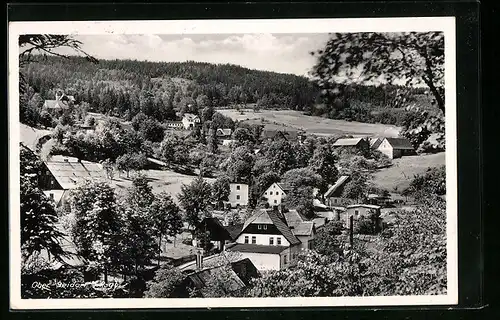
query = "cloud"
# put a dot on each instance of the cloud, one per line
(286, 53)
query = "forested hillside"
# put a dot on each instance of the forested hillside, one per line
(158, 89)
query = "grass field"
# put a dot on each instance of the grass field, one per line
(398, 176)
(313, 125)
(161, 180)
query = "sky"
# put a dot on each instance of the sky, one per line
(284, 53)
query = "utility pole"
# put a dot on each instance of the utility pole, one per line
(351, 231)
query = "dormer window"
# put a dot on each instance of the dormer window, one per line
(259, 227)
(264, 227)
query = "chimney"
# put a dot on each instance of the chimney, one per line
(199, 259)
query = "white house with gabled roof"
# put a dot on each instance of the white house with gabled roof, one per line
(189, 121)
(275, 193)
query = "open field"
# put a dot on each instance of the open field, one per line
(398, 176)
(161, 180)
(313, 125)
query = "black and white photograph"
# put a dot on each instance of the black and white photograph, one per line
(215, 163)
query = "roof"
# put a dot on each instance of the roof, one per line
(30, 136)
(376, 143)
(191, 117)
(284, 186)
(370, 206)
(346, 142)
(293, 218)
(400, 143)
(56, 104)
(287, 134)
(270, 216)
(217, 231)
(332, 191)
(319, 221)
(158, 162)
(304, 229)
(257, 248)
(234, 230)
(223, 132)
(317, 204)
(202, 277)
(71, 172)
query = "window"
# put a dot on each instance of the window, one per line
(271, 241)
(237, 187)
(246, 239)
(335, 200)
(275, 201)
(270, 193)
(356, 212)
(237, 197)
(254, 239)
(278, 241)
(265, 193)
(259, 226)
(282, 193)
(264, 227)
(274, 186)
(284, 259)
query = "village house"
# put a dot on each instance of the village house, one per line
(267, 241)
(239, 272)
(358, 143)
(393, 147)
(225, 136)
(62, 102)
(333, 196)
(360, 210)
(275, 193)
(238, 195)
(217, 233)
(190, 121)
(61, 174)
(286, 134)
(303, 229)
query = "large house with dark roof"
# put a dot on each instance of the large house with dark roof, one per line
(268, 241)
(393, 147)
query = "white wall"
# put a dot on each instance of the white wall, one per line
(277, 195)
(263, 239)
(386, 148)
(304, 240)
(243, 193)
(263, 261)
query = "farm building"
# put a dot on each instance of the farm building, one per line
(267, 241)
(275, 193)
(64, 173)
(224, 133)
(333, 196)
(360, 210)
(190, 120)
(359, 143)
(238, 195)
(394, 147)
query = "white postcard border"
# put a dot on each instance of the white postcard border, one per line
(445, 24)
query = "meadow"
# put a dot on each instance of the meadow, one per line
(276, 119)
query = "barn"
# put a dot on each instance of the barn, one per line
(394, 147)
